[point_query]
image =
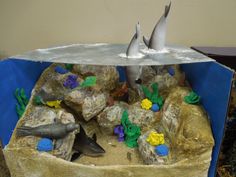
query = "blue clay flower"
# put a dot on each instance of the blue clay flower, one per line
(171, 71)
(45, 144)
(60, 70)
(162, 150)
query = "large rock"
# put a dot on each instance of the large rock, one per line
(107, 76)
(42, 115)
(86, 102)
(187, 126)
(111, 116)
(186, 129)
(148, 153)
(52, 88)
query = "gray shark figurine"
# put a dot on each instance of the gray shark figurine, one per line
(133, 48)
(86, 145)
(54, 131)
(158, 37)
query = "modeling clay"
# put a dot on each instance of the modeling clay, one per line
(155, 108)
(69, 66)
(45, 144)
(60, 70)
(132, 131)
(162, 150)
(171, 71)
(119, 130)
(22, 101)
(153, 96)
(71, 82)
(38, 100)
(155, 138)
(89, 81)
(55, 104)
(146, 104)
(192, 98)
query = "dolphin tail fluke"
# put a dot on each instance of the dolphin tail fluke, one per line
(146, 41)
(167, 10)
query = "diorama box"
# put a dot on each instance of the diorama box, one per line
(194, 142)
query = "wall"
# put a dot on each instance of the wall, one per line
(31, 24)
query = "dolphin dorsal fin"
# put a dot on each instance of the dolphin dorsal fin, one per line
(146, 41)
(94, 137)
(167, 10)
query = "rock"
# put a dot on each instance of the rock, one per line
(42, 115)
(65, 149)
(142, 117)
(107, 76)
(187, 126)
(86, 102)
(148, 152)
(53, 88)
(186, 130)
(111, 116)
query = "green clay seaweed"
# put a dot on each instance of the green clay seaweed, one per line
(22, 101)
(132, 131)
(192, 98)
(153, 96)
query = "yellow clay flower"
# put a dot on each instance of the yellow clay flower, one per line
(146, 104)
(155, 138)
(55, 104)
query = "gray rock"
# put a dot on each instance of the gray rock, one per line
(86, 102)
(42, 115)
(148, 153)
(111, 116)
(107, 76)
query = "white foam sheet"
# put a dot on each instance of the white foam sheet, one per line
(109, 54)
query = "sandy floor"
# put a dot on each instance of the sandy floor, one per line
(117, 153)
(3, 168)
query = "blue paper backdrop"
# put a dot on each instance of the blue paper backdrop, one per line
(15, 74)
(211, 81)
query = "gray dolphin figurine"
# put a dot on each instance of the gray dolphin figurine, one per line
(133, 48)
(54, 131)
(134, 77)
(86, 145)
(158, 36)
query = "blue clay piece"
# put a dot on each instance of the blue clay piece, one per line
(60, 70)
(155, 108)
(45, 144)
(171, 71)
(162, 150)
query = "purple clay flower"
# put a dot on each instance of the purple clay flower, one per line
(74, 84)
(71, 82)
(119, 130)
(72, 77)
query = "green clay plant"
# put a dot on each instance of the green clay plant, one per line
(89, 81)
(153, 96)
(69, 67)
(22, 101)
(131, 131)
(192, 98)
